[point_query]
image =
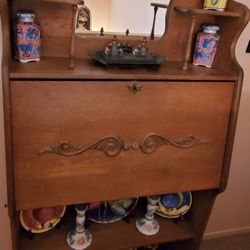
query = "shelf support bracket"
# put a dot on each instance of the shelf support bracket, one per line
(187, 58)
(72, 42)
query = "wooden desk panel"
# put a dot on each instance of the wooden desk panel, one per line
(87, 141)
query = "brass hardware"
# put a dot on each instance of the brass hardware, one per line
(135, 146)
(135, 88)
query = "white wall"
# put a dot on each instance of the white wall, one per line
(99, 10)
(231, 212)
(137, 16)
(119, 15)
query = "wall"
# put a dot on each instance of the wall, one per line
(99, 20)
(231, 213)
(137, 16)
(119, 15)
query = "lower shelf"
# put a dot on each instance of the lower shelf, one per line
(119, 235)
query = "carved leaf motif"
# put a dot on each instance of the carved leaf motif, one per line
(154, 141)
(111, 146)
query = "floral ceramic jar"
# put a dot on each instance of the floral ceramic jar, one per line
(219, 5)
(27, 38)
(206, 46)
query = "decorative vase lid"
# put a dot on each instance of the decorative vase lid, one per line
(26, 17)
(211, 29)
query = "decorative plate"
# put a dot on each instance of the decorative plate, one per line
(111, 211)
(173, 206)
(41, 220)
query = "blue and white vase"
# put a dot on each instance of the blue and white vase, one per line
(27, 38)
(206, 46)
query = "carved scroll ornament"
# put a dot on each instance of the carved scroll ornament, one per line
(112, 145)
(152, 142)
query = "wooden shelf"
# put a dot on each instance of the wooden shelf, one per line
(61, 1)
(119, 235)
(194, 11)
(58, 68)
(163, 6)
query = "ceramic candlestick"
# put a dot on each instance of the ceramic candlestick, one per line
(148, 225)
(80, 238)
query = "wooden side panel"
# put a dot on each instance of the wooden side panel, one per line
(46, 114)
(4, 75)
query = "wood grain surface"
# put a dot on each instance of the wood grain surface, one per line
(49, 113)
(114, 133)
(86, 68)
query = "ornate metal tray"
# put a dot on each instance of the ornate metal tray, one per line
(128, 60)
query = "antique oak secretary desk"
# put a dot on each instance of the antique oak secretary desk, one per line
(140, 132)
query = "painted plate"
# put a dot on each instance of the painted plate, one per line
(174, 205)
(41, 220)
(111, 211)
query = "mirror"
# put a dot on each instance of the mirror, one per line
(130, 17)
